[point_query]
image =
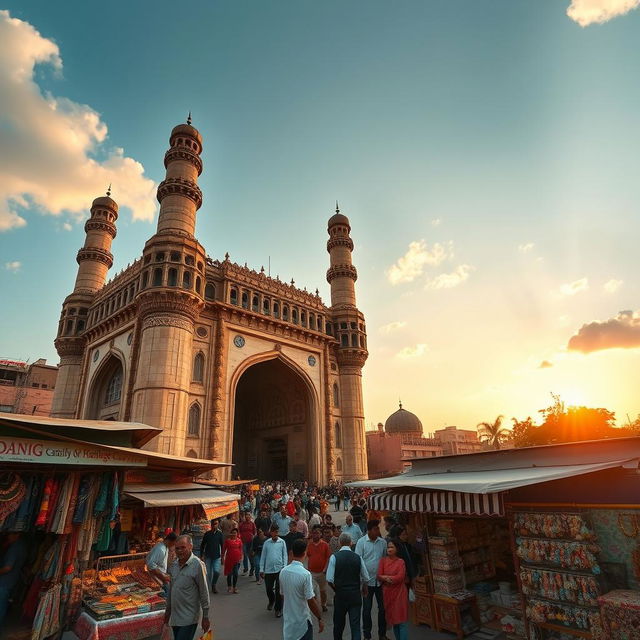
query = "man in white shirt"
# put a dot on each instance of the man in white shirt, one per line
(352, 529)
(371, 548)
(296, 587)
(272, 560)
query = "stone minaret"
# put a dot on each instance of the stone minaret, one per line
(349, 330)
(170, 296)
(94, 261)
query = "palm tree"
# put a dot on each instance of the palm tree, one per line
(493, 433)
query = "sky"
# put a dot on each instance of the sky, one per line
(486, 152)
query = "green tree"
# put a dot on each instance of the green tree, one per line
(493, 433)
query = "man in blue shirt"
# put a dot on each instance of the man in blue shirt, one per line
(282, 520)
(371, 548)
(272, 560)
(211, 552)
(352, 529)
(10, 567)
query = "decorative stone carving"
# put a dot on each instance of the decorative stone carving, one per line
(167, 321)
(100, 225)
(180, 186)
(171, 301)
(69, 346)
(182, 153)
(340, 241)
(352, 358)
(342, 270)
(93, 253)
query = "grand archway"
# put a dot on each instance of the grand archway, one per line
(105, 397)
(272, 423)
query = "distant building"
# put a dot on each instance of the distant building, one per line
(455, 441)
(27, 388)
(392, 447)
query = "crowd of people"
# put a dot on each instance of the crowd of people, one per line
(277, 530)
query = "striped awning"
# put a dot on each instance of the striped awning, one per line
(440, 502)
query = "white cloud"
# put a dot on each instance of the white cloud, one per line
(13, 266)
(436, 222)
(67, 226)
(526, 248)
(571, 288)
(411, 265)
(449, 280)
(52, 166)
(612, 285)
(413, 352)
(393, 326)
(586, 12)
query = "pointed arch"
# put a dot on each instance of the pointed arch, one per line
(338, 435)
(336, 395)
(339, 465)
(198, 368)
(193, 427)
(106, 390)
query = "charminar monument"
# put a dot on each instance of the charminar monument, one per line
(232, 364)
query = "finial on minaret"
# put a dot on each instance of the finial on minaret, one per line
(189, 118)
(337, 207)
(400, 403)
(226, 257)
(109, 191)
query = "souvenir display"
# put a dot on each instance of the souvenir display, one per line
(559, 585)
(123, 587)
(620, 611)
(564, 615)
(570, 526)
(580, 556)
(446, 565)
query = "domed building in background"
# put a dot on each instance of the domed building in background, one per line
(392, 446)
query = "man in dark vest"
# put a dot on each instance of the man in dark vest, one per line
(347, 575)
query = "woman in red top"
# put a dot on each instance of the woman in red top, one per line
(392, 573)
(231, 558)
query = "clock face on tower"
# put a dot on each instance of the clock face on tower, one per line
(238, 341)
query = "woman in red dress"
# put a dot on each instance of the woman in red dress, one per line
(392, 573)
(231, 558)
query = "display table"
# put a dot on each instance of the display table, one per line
(459, 615)
(135, 627)
(620, 611)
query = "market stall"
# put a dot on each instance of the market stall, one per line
(60, 512)
(542, 543)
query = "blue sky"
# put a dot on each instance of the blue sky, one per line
(501, 138)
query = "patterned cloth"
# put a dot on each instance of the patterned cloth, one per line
(133, 627)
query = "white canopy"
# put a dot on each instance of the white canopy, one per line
(489, 480)
(162, 495)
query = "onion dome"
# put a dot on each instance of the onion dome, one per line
(106, 201)
(403, 421)
(338, 218)
(186, 129)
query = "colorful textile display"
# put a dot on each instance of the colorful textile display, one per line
(47, 620)
(133, 627)
(12, 492)
(620, 610)
(44, 504)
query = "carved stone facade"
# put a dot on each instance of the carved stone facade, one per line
(234, 365)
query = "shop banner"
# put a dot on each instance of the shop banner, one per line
(219, 509)
(53, 452)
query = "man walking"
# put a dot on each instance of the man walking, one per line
(291, 537)
(247, 530)
(188, 592)
(263, 521)
(156, 559)
(301, 524)
(211, 552)
(347, 575)
(272, 560)
(282, 520)
(318, 554)
(371, 548)
(352, 529)
(296, 589)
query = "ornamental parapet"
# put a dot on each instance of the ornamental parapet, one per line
(68, 346)
(93, 253)
(342, 271)
(180, 187)
(100, 225)
(169, 302)
(339, 241)
(181, 153)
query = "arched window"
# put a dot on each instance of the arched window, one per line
(209, 291)
(191, 454)
(172, 279)
(266, 306)
(276, 310)
(113, 391)
(303, 318)
(312, 322)
(194, 420)
(254, 303)
(354, 340)
(338, 431)
(234, 296)
(344, 340)
(175, 256)
(285, 313)
(294, 316)
(245, 300)
(336, 396)
(362, 341)
(157, 277)
(186, 279)
(198, 368)
(339, 464)
(145, 279)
